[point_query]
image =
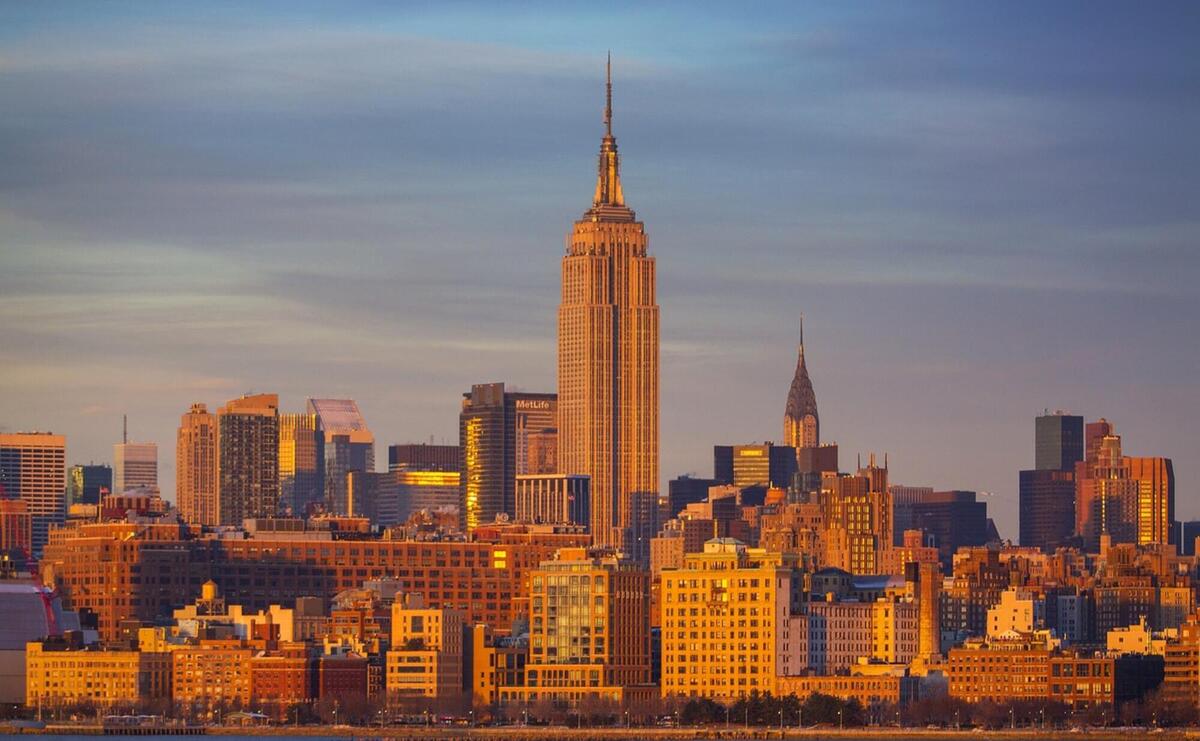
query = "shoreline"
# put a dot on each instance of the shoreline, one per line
(556, 733)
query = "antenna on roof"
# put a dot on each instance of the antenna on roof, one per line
(124, 428)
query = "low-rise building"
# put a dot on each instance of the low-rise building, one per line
(58, 673)
(426, 658)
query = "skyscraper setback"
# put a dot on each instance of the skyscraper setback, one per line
(608, 351)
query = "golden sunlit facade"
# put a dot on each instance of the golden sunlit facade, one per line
(721, 621)
(608, 353)
(196, 466)
(104, 678)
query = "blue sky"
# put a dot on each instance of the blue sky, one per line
(982, 210)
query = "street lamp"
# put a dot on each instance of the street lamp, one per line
(1012, 717)
(781, 720)
(841, 721)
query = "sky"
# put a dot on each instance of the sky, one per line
(982, 210)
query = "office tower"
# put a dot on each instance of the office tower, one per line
(589, 628)
(954, 518)
(16, 527)
(301, 462)
(493, 433)
(135, 466)
(196, 466)
(349, 446)
(1058, 442)
(1047, 492)
(424, 457)
(856, 513)
(754, 465)
(801, 424)
(33, 467)
(608, 352)
(903, 498)
(1047, 512)
(1156, 498)
(686, 490)
(555, 498)
(87, 483)
(812, 464)
(248, 458)
(406, 491)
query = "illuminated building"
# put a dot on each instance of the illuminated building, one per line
(553, 498)
(493, 661)
(135, 465)
(211, 674)
(754, 465)
(86, 482)
(801, 423)
(840, 634)
(349, 446)
(494, 428)
(196, 467)
(856, 513)
(426, 657)
(281, 680)
(722, 620)
(1018, 611)
(127, 570)
(589, 631)
(1129, 499)
(424, 457)
(868, 690)
(608, 352)
(301, 462)
(33, 468)
(16, 527)
(58, 673)
(420, 490)
(1032, 667)
(248, 458)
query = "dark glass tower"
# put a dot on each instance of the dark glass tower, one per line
(1058, 442)
(1047, 493)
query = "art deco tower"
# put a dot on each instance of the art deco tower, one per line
(801, 425)
(608, 352)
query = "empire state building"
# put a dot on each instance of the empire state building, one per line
(608, 353)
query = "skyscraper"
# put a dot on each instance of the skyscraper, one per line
(1058, 442)
(1047, 492)
(248, 454)
(1131, 499)
(801, 424)
(301, 461)
(33, 467)
(87, 482)
(608, 351)
(196, 466)
(754, 465)
(349, 446)
(135, 466)
(494, 428)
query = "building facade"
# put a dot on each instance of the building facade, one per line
(87, 483)
(33, 467)
(494, 428)
(248, 458)
(135, 466)
(196, 466)
(349, 445)
(301, 462)
(553, 498)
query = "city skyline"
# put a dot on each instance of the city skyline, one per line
(200, 288)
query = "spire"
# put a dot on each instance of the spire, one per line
(609, 202)
(608, 97)
(801, 423)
